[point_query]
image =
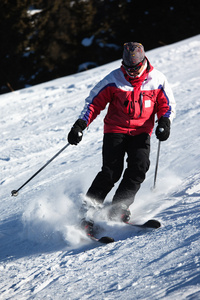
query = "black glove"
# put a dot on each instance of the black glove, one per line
(163, 129)
(76, 132)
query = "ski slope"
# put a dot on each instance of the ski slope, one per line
(43, 254)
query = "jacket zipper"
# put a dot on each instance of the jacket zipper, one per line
(141, 106)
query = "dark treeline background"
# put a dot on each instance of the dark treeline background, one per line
(44, 39)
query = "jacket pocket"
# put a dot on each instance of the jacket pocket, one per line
(123, 101)
(147, 103)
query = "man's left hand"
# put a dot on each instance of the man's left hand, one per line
(163, 129)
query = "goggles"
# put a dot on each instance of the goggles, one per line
(134, 68)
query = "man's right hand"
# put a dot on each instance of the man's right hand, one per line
(76, 132)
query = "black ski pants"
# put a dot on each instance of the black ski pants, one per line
(115, 146)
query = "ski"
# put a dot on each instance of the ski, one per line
(152, 223)
(88, 227)
(102, 240)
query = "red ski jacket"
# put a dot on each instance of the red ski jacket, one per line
(133, 101)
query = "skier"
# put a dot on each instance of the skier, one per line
(136, 92)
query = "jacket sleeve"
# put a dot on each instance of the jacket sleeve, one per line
(97, 100)
(166, 105)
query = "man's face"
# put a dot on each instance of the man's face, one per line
(135, 73)
(136, 70)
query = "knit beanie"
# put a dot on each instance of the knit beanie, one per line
(133, 54)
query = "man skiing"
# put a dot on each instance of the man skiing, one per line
(136, 92)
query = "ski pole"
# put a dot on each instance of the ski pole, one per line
(15, 192)
(157, 159)
(156, 168)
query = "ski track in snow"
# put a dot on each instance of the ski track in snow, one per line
(43, 254)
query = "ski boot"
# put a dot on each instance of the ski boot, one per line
(87, 226)
(119, 212)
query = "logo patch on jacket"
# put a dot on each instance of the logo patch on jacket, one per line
(147, 103)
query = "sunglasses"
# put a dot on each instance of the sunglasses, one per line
(135, 68)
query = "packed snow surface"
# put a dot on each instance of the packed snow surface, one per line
(43, 253)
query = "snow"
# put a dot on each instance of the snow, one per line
(43, 254)
(87, 41)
